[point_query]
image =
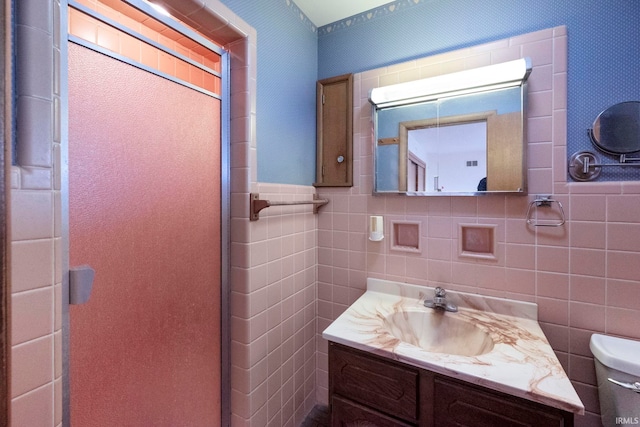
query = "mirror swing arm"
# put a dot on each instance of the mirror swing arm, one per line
(461, 98)
(615, 131)
(585, 166)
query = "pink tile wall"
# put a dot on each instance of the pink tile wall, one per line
(585, 276)
(273, 264)
(273, 276)
(36, 274)
(273, 301)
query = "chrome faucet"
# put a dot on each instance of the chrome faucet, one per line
(440, 301)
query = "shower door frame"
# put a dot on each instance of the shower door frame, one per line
(225, 216)
(5, 141)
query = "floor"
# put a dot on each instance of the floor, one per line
(318, 417)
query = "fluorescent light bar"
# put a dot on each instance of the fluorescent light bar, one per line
(506, 74)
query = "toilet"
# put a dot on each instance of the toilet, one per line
(617, 359)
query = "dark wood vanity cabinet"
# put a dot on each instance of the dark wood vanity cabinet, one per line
(346, 413)
(458, 404)
(366, 390)
(388, 388)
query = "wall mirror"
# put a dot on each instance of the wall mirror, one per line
(455, 134)
(616, 130)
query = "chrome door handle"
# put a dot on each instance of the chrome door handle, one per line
(80, 284)
(630, 386)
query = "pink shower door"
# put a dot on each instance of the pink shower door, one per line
(144, 212)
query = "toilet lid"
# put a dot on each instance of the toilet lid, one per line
(617, 353)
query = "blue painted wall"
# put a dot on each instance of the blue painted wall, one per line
(604, 61)
(603, 39)
(286, 98)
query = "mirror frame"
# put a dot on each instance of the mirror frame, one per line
(483, 79)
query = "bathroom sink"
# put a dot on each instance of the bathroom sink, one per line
(493, 342)
(438, 332)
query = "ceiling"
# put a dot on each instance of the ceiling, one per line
(323, 12)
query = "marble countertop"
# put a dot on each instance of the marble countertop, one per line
(521, 362)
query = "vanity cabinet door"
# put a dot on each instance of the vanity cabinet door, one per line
(458, 405)
(374, 382)
(348, 414)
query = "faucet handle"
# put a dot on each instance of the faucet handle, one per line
(440, 292)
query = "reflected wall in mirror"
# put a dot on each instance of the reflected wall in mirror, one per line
(449, 157)
(466, 140)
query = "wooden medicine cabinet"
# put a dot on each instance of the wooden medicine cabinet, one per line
(334, 118)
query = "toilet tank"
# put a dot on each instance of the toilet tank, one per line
(617, 359)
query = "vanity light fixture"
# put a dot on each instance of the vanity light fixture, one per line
(506, 74)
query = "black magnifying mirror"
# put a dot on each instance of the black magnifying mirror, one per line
(616, 130)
